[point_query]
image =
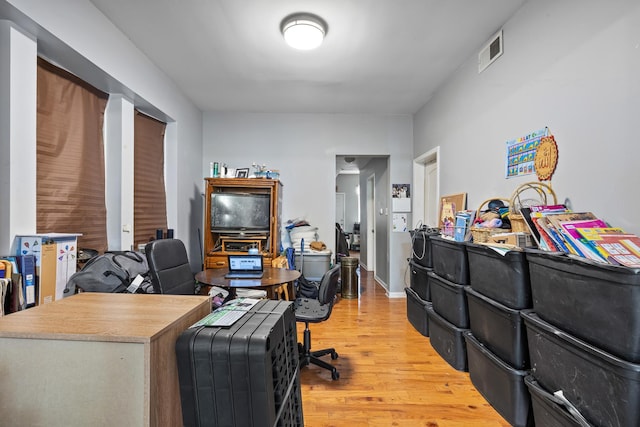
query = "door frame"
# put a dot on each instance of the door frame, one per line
(371, 223)
(420, 165)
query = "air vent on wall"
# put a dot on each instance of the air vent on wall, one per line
(490, 52)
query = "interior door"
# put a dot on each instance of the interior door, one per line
(431, 194)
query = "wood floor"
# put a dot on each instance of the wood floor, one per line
(389, 373)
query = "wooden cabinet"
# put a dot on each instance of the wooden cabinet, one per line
(95, 359)
(239, 214)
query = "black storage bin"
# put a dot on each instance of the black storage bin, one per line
(503, 278)
(419, 281)
(604, 388)
(500, 328)
(449, 300)
(547, 409)
(417, 312)
(421, 246)
(595, 302)
(246, 374)
(450, 260)
(447, 340)
(501, 385)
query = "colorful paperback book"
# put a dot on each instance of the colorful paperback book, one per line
(552, 243)
(586, 250)
(593, 234)
(534, 211)
(624, 249)
(555, 218)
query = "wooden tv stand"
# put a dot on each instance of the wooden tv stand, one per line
(219, 244)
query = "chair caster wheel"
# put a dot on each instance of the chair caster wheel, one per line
(335, 375)
(334, 355)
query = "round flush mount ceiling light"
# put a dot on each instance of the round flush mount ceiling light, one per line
(303, 31)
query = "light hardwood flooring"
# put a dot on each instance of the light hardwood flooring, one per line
(389, 373)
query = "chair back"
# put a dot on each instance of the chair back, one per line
(329, 286)
(169, 267)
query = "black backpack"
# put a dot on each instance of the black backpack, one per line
(111, 272)
(307, 288)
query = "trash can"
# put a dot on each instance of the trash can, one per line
(349, 275)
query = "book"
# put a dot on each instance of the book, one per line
(546, 242)
(555, 219)
(592, 235)
(623, 249)
(527, 213)
(464, 219)
(582, 246)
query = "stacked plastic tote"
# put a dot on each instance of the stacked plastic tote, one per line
(418, 292)
(584, 337)
(244, 375)
(449, 314)
(498, 294)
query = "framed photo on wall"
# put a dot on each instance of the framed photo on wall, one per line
(242, 173)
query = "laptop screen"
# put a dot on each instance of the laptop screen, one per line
(245, 263)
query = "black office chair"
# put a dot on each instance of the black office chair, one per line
(169, 267)
(315, 311)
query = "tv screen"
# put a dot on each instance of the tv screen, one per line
(240, 212)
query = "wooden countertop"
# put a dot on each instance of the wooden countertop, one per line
(93, 316)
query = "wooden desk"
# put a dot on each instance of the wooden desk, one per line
(272, 278)
(95, 360)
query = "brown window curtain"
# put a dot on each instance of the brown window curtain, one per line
(149, 198)
(70, 157)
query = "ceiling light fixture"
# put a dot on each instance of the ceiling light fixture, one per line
(303, 31)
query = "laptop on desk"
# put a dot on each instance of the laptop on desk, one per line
(245, 267)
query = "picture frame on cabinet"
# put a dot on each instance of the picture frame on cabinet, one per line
(242, 173)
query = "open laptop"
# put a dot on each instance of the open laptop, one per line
(245, 267)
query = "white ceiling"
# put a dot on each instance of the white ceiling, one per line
(379, 56)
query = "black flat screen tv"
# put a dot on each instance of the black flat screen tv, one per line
(240, 213)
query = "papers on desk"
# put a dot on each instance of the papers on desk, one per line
(245, 283)
(228, 314)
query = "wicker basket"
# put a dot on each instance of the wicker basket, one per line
(481, 234)
(541, 196)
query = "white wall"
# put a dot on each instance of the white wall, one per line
(570, 65)
(75, 35)
(303, 148)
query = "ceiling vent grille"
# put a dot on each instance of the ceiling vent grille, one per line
(490, 52)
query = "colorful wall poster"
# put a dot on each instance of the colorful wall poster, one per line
(521, 153)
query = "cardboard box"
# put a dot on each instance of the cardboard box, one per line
(56, 260)
(520, 240)
(31, 245)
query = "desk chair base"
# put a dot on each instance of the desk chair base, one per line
(307, 356)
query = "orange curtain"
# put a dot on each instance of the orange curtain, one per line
(149, 203)
(70, 157)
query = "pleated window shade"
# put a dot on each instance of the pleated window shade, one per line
(149, 197)
(70, 195)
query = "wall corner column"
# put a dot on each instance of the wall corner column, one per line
(18, 116)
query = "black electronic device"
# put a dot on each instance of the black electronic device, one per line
(240, 212)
